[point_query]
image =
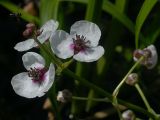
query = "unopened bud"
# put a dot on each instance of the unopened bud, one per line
(64, 96)
(31, 25)
(132, 79)
(28, 32)
(128, 115)
(149, 54)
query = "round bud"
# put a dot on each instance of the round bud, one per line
(132, 79)
(128, 115)
(28, 32)
(31, 25)
(64, 96)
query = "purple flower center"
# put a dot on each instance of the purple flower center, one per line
(37, 74)
(79, 44)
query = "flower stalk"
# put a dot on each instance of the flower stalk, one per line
(115, 92)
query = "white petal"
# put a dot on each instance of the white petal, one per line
(47, 83)
(32, 59)
(90, 55)
(25, 45)
(47, 29)
(88, 29)
(154, 56)
(65, 48)
(56, 38)
(44, 36)
(24, 86)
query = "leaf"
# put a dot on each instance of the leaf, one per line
(48, 10)
(94, 9)
(114, 11)
(13, 8)
(143, 13)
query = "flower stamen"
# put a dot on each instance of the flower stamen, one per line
(36, 74)
(80, 44)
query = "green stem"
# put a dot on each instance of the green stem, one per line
(143, 97)
(92, 99)
(115, 93)
(52, 97)
(116, 105)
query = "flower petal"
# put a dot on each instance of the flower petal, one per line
(88, 29)
(64, 48)
(90, 55)
(32, 59)
(47, 29)
(56, 38)
(154, 57)
(47, 83)
(25, 45)
(24, 86)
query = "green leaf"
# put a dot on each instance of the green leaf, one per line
(94, 9)
(121, 17)
(143, 13)
(15, 9)
(48, 10)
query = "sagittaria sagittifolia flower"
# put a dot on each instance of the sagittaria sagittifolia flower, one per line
(45, 33)
(81, 43)
(37, 80)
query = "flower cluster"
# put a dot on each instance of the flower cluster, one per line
(81, 43)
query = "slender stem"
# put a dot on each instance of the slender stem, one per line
(115, 93)
(115, 104)
(52, 97)
(92, 99)
(143, 97)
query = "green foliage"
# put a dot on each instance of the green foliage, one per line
(143, 13)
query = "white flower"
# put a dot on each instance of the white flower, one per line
(35, 82)
(45, 33)
(81, 43)
(150, 56)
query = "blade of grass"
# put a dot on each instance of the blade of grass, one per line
(48, 10)
(94, 9)
(143, 13)
(15, 9)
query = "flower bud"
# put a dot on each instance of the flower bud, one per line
(64, 96)
(31, 25)
(128, 115)
(132, 79)
(149, 54)
(28, 32)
